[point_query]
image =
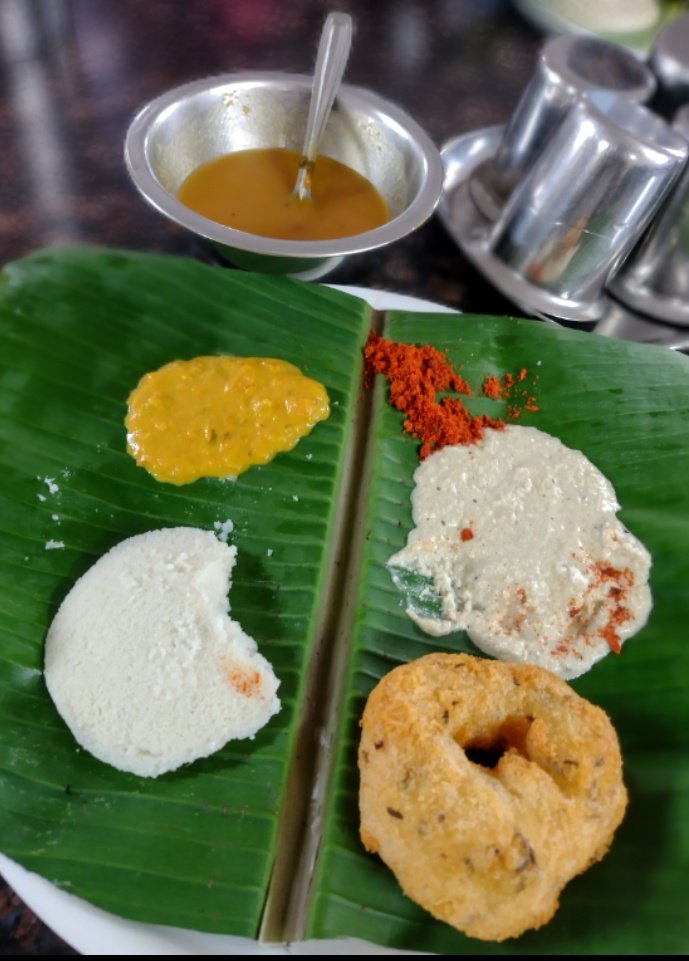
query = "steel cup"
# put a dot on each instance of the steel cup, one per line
(567, 67)
(669, 61)
(583, 205)
(655, 278)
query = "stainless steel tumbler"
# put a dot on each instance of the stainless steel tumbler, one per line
(567, 67)
(584, 203)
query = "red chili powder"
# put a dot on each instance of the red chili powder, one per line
(491, 387)
(466, 534)
(504, 388)
(622, 580)
(416, 376)
(247, 684)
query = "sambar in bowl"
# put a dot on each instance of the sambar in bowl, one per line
(197, 124)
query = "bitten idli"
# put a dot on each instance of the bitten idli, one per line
(145, 664)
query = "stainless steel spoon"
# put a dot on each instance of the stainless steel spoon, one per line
(331, 60)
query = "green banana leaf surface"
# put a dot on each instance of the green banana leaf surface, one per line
(221, 845)
(78, 328)
(626, 406)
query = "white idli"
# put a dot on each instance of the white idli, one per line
(145, 664)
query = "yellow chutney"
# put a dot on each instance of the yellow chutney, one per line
(218, 416)
(253, 190)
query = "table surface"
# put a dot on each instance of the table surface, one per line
(74, 73)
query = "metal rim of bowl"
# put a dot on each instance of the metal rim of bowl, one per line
(416, 213)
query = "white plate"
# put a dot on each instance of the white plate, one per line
(91, 930)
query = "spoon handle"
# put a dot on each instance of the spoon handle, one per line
(331, 60)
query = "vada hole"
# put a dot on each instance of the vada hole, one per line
(487, 748)
(485, 756)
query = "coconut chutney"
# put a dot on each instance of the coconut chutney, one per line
(520, 539)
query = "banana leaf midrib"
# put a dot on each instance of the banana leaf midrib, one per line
(290, 874)
(351, 538)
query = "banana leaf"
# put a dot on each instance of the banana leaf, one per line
(226, 844)
(78, 328)
(626, 406)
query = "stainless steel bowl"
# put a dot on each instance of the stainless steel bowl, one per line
(194, 123)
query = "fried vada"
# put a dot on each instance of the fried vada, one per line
(486, 787)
